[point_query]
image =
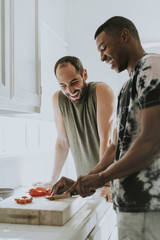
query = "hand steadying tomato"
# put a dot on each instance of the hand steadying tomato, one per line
(24, 200)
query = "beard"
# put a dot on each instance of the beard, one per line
(81, 94)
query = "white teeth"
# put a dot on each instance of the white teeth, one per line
(110, 62)
(74, 95)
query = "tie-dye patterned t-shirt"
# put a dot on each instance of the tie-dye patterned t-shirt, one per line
(139, 191)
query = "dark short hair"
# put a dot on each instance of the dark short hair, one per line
(115, 25)
(70, 59)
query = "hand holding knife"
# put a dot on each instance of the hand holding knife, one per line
(61, 196)
(59, 189)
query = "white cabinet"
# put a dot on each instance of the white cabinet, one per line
(53, 47)
(20, 88)
(4, 84)
(105, 228)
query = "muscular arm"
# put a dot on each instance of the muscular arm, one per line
(140, 154)
(105, 119)
(105, 115)
(62, 145)
(143, 150)
(106, 105)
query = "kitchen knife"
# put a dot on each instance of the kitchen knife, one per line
(61, 196)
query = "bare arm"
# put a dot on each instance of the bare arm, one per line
(108, 157)
(143, 150)
(105, 119)
(106, 105)
(61, 146)
(105, 115)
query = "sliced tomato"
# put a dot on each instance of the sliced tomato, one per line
(23, 200)
(29, 200)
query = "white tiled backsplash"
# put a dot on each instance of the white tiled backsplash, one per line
(9, 172)
(27, 152)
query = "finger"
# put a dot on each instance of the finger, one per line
(87, 193)
(52, 190)
(55, 188)
(83, 188)
(59, 188)
(72, 189)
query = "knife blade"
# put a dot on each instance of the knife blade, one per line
(61, 196)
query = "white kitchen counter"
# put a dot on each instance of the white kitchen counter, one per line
(77, 228)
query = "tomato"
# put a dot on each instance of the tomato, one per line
(48, 191)
(39, 191)
(23, 200)
(36, 193)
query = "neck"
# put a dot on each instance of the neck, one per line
(136, 54)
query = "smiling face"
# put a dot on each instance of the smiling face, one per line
(72, 84)
(113, 51)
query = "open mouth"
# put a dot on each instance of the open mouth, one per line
(74, 96)
(112, 63)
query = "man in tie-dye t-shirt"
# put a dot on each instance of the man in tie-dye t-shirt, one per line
(135, 152)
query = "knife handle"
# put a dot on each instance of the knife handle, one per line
(73, 193)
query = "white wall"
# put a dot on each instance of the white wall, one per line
(27, 141)
(52, 12)
(85, 16)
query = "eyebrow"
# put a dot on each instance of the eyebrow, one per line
(74, 79)
(70, 81)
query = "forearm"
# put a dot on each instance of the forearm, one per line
(141, 153)
(61, 152)
(106, 160)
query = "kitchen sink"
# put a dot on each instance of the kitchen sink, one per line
(6, 192)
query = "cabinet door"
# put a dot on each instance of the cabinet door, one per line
(52, 48)
(20, 64)
(25, 70)
(4, 82)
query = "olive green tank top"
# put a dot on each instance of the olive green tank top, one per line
(81, 126)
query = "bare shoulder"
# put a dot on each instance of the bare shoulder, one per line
(104, 91)
(55, 97)
(55, 102)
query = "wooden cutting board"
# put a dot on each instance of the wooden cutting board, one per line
(41, 211)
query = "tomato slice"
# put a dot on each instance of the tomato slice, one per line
(23, 200)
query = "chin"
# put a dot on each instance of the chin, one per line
(116, 70)
(75, 101)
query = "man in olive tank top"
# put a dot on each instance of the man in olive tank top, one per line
(84, 114)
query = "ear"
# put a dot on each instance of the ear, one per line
(85, 75)
(125, 35)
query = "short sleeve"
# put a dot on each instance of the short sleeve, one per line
(148, 82)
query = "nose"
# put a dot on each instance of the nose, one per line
(70, 89)
(102, 56)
